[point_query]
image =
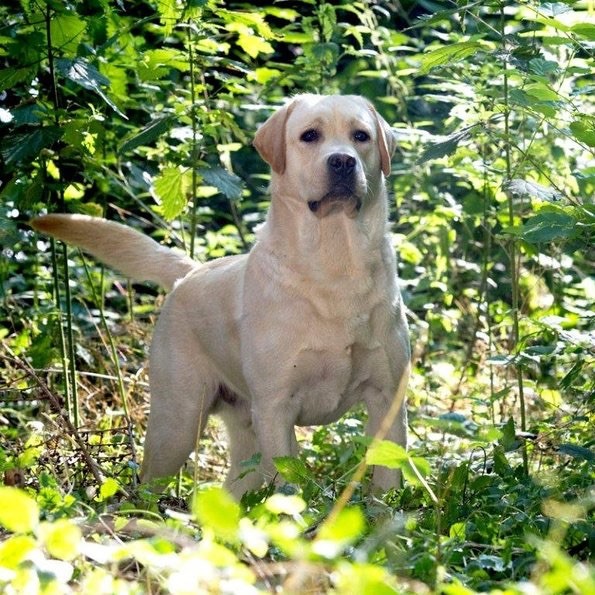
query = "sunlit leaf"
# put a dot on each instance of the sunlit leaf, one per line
(518, 187)
(66, 31)
(216, 509)
(171, 187)
(19, 513)
(254, 45)
(292, 469)
(284, 504)
(337, 533)
(386, 454)
(62, 539)
(108, 488)
(448, 54)
(583, 130)
(15, 549)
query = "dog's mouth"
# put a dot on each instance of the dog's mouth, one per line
(339, 198)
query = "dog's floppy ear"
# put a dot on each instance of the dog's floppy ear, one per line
(269, 140)
(387, 142)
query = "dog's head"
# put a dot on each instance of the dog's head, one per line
(328, 152)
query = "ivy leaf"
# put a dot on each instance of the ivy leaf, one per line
(448, 54)
(171, 187)
(148, 134)
(82, 73)
(228, 184)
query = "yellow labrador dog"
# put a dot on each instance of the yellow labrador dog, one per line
(296, 332)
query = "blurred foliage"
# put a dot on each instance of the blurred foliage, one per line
(144, 112)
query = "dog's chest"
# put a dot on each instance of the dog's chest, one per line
(339, 359)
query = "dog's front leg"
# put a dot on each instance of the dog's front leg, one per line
(381, 404)
(275, 431)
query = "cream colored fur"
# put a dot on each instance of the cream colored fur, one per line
(296, 332)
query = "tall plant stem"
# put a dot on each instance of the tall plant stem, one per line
(194, 154)
(514, 256)
(67, 341)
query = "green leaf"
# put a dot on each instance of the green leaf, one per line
(577, 452)
(542, 92)
(448, 54)
(170, 12)
(108, 488)
(9, 77)
(387, 454)
(19, 513)
(584, 30)
(254, 45)
(79, 71)
(292, 469)
(15, 550)
(508, 439)
(445, 146)
(414, 468)
(285, 504)
(148, 134)
(458, 531)
(347, 526)
(548, 226)
(66, 32)
(216, 509)
(171, 187)
(519, 187)
(26, 147)
(62, 539)
(583, 130)
(228, 184)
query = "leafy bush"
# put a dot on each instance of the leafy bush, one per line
(144, 112)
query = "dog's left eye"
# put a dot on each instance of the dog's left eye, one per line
(361, 136)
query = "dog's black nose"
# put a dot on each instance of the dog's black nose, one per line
(341, 163)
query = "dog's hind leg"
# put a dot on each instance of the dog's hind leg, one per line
(183, 393)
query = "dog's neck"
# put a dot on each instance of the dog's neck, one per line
(335, 245)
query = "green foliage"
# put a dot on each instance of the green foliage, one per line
(144, 111)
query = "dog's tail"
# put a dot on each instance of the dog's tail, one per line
(132, 253)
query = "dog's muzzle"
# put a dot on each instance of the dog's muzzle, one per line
(342, 171)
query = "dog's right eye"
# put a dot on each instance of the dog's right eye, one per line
(310, 136)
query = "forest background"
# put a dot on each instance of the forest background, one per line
(144, 112)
